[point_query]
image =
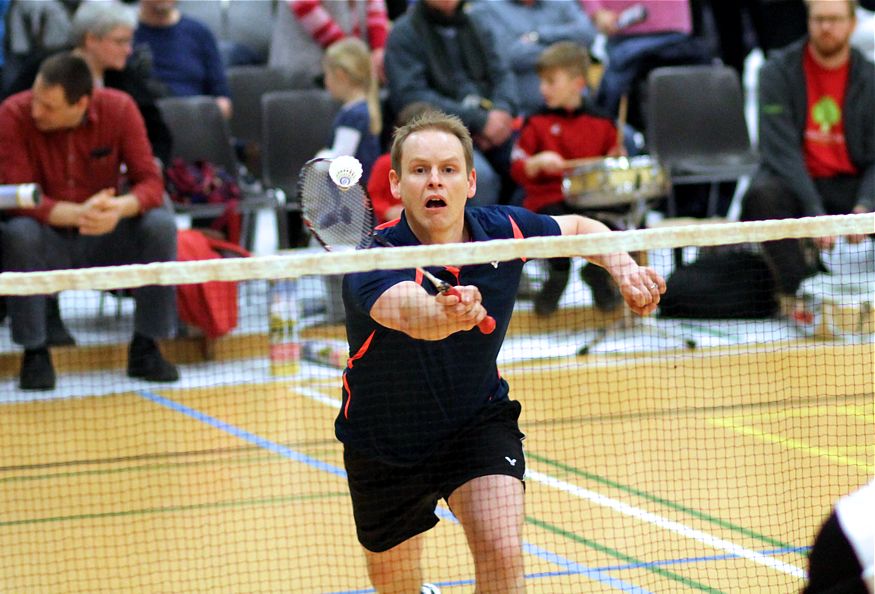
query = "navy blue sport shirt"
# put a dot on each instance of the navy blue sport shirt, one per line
(403, 396)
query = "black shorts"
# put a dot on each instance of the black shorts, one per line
(394, 503)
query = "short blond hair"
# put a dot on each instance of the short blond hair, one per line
(433, 120)
(564, 55)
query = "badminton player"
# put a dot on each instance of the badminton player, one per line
(425, 414)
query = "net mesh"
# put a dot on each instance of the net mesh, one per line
(678, 453)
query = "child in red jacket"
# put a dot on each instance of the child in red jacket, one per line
(566, 128)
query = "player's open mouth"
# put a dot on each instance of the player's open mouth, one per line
(435, 203)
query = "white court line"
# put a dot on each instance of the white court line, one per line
(626, 509)
(665, 523)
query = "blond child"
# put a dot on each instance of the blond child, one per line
(350, 79)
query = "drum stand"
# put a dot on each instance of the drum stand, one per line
(632, 220)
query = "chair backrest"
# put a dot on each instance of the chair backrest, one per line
(248, 84)
(295, 125)
(695, 111)
(199, 130)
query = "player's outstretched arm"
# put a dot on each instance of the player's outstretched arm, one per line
(408, 308)
(641, 286)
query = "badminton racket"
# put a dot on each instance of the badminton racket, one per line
(338, 212)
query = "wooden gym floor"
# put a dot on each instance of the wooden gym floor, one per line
(704, 471)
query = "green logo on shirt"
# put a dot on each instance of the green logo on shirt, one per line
(826, 113)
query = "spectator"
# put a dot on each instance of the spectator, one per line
(184, 53)
(304, 29)
(438, 54)
(642, 35)
(775, 24)
(72, 139)
(568, 128)
(817, 140)
(102, 33)
(524, 28)
(350, 80)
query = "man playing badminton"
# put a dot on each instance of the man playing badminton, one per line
(425, 414)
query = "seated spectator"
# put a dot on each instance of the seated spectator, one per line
(386, 206)
(184, 53)
(567, 128)
(102, 33)
(350, 80)
(73, 139)
(525, 28)
(439, 54)
(304, 29)
(641, 35)
(816, 131)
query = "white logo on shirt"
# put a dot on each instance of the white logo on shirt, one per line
(511, 461)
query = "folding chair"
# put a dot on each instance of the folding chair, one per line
(295, 125)
(696, 128)
(248, 84)
(202, 133)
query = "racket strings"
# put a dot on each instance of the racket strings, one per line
(338, 218)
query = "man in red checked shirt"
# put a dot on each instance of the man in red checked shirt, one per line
(817, 141)
(73, 139)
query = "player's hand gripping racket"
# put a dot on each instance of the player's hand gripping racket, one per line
(338, 211)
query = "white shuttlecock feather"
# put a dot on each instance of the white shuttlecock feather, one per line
(345, 171)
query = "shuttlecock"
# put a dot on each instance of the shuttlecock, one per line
(345, 171)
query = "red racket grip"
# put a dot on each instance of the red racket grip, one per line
(486, 325)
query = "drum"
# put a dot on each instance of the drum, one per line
(614, 181)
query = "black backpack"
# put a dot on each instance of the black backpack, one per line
(721, 284)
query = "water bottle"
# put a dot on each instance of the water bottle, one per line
(284, 333)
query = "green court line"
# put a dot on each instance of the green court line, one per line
(173, 509)
(660, 500)
(622, 556)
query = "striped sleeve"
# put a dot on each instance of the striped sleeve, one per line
(316, 21)
(378, 23)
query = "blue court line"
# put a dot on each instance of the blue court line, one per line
(243, 434)
(320, 465)
(575, 569)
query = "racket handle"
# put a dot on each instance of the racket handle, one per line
(486, 325)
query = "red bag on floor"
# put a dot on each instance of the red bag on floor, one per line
(211, 306)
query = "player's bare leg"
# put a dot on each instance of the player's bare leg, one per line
(491, 510)
(398, 570)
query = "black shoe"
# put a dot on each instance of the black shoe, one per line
(605, 293)
(547, 301)
(145, 361)
(37, 372)
(56, 333)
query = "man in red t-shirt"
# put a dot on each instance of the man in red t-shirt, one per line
(566, 128)
(72, 139)
(817, 139)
